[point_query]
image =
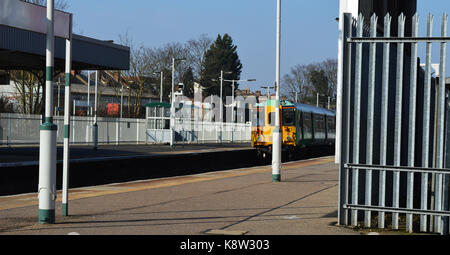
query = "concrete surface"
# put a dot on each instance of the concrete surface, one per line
(239, 201)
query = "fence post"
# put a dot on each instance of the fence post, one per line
(384, 118)
(117, 130)
(426, 125)
(398, 119)
(370, 118)
(412, 123)
(439, 198)
(357, 119)
(9, 130)
(345, 120)
(137, 131)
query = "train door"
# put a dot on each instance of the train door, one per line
(299, 120)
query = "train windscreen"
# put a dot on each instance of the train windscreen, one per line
(288, 117)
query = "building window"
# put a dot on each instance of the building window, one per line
(4, 78)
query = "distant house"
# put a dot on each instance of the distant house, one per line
(109, 91)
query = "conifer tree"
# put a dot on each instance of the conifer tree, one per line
(221, 56)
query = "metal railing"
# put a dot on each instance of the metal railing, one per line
(196, 131)
(380, 125)
(16, 129)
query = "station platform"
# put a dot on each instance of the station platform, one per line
(233, 202)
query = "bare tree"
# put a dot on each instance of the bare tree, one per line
(160, 59)
(147, 63)
(296, 84)
(305, 81)
(137, 78)
(196, 52)
(329, 67)
(28, 85)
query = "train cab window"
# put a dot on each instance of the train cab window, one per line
(288, 117)
(258, 118)
(271, 118)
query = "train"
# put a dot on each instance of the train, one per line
(302, 126)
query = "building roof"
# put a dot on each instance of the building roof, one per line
(158, 104)
(22, 49)
(23, 42)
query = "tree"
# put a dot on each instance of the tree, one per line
(160, 59)
(306, 81)
(137, 78)
(196, 49)
(5, 105)
(221, 56)
(188, 81)
(296, 85)
(319, 81)
(329, 67)
(28, 85)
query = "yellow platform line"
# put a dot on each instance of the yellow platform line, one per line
(16, 201)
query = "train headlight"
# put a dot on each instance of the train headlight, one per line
(259, 139)
(288, 137)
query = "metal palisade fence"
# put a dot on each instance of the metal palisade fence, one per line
(393, 171)
(16, 129)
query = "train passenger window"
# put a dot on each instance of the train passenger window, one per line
(331, 127)
(331, 124)
(288, 117)
(307, 125)
(319, 126)
(319, 123)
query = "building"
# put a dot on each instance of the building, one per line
(23, 47)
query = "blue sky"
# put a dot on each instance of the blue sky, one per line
(309, 28)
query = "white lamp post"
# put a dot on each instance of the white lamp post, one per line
(268, 90)
(95, 126)
(66, 155)
(276, 152)
(47, 144)
(232, 92)
(161, 86)
(172, 99)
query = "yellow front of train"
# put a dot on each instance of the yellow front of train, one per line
(263, 123)
(288, 127)
(261, 131)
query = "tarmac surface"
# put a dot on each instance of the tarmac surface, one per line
(233, 202)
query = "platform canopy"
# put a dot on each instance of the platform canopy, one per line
(23, 42)
(158, 105)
